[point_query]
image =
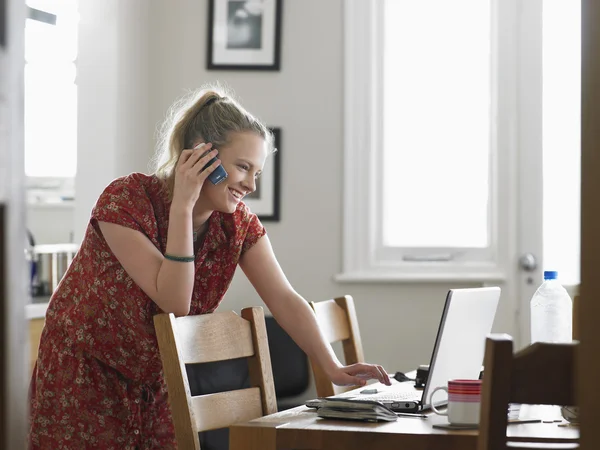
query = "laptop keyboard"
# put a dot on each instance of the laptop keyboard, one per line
(392, 396)
(397, 392)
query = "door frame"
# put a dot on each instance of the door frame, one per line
(529, 156)
(13, 281)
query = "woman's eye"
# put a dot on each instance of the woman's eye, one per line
(244, 167)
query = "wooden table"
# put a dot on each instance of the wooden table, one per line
(300, 428)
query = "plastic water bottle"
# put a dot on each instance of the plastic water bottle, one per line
(551, 312)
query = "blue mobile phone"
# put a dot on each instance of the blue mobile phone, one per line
(219, 174)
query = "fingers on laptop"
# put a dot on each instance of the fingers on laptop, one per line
(386, 377)
(368, 371)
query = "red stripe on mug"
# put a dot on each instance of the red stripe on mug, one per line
(464, 398)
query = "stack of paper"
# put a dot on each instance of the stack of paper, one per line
(514, 410)
(341, 408)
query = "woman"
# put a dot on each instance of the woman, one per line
(169, 242)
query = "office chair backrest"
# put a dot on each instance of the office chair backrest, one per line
(291, 371)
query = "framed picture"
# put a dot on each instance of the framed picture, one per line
(244, 35)
(264, 201)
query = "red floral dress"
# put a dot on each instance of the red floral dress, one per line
(98, 380)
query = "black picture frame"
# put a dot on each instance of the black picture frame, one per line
(265, 201)
(256, 46)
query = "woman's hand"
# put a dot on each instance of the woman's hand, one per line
(189, 176)
(358, 375)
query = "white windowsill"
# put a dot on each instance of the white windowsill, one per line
(383, 277)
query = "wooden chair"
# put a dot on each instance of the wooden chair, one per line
(541, 374)
(338, 322)
(215, 337)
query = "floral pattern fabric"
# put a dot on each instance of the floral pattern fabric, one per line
(98, 380)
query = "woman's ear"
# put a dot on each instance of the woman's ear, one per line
(197, 142)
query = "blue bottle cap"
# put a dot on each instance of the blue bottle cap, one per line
(550, 275)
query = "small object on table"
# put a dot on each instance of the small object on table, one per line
(401, 377)
(369, 391)
(422, 375)
(453, 426)
(570, 413)
(519, 421)
(420, 416)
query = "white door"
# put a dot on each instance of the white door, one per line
(548, 161)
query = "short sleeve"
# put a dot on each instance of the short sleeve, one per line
(125, 202)
(254, 232)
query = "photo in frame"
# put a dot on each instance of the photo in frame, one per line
(244, 35)
(264, 201)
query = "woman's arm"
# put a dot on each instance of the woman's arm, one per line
(168, 283)
(296, 317)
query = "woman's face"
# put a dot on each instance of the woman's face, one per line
(243, 158)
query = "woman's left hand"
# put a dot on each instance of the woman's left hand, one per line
(358, 375)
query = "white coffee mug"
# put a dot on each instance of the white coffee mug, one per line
(464, 401)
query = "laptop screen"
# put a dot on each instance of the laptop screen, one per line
(460, 342)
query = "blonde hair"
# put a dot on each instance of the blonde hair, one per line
(208, 114)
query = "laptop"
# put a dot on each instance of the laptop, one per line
(458, 352)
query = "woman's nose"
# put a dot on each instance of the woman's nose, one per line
(250, 184)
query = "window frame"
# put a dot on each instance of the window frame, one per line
(365, 259)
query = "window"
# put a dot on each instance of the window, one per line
(421, 176)
(442, 85)
(50, 120)
(454, 114)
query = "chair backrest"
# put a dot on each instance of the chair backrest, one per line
(540, 374)
(207, 338)
(338, 322)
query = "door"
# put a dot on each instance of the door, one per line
(13, 295)
(548, 156)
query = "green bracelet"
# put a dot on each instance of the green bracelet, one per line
(180, 258)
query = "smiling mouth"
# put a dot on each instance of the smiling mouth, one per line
(236, 194)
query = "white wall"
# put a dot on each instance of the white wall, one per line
(126, 84)
(51, 224)
(112, 77)
(398, 321)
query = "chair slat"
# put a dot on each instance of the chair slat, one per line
(332, 320)
(220, 410)
(538, 369)
(338, 322)
(213, 337)
(177, 382)
(259, 366)
(353, 351)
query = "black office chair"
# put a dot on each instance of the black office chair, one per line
(291, 372)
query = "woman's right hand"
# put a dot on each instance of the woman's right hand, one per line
(189, 176)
